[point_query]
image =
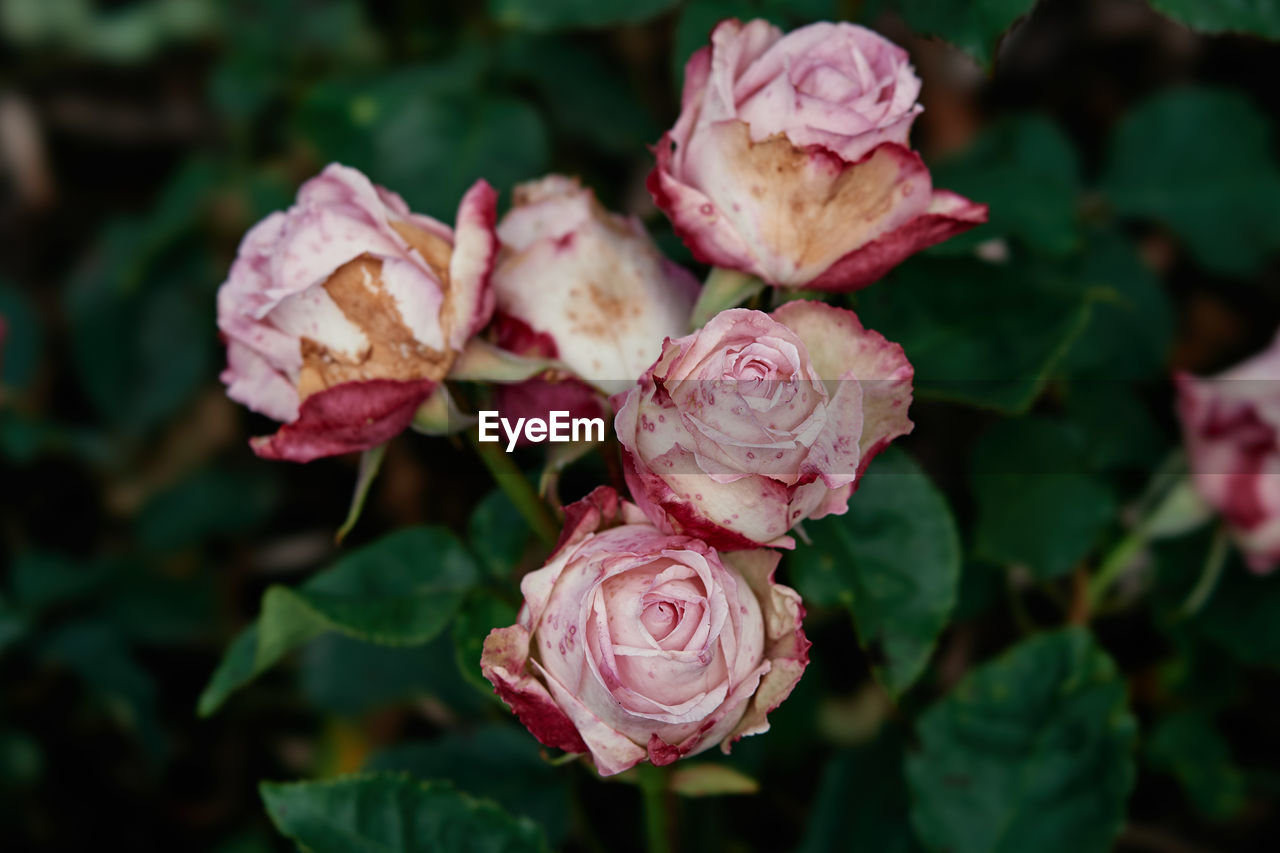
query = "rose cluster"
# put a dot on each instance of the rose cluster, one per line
(655, 629)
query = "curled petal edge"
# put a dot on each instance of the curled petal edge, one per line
(348, 417)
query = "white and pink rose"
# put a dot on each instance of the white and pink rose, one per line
(758, 421)
(790, 158)
(633, 644)
(344, 313)
(585, 287)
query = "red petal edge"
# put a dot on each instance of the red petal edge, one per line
(346, 418)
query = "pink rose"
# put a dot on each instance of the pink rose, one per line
(1231, 424)
(587, 287)
(757, 422)
(344, 313)
(790, 161)
(635, 644)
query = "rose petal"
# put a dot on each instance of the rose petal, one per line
(504, 663)
(345, 418)
(799, 211)
(839, 345)
(787, 647)
(948, 214)
(470, 302)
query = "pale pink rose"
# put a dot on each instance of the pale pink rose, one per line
(757, 422)
(586, 287)
(343, 313)
(634, 644)
(790, 158)
(1231, 425)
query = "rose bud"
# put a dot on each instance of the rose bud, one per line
(757, 422)
(790, 161)
(1231, 425)
(586, 287)
(633, 644)
(343, 313)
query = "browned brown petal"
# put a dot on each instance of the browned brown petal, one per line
(814, 207)
(356, 287)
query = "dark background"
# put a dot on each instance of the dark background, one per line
(138, 140)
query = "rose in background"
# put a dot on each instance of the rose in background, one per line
(344, 313)
(1231, 424)
(790, 158)
(635, 644)
(757, 422)
(586, 287)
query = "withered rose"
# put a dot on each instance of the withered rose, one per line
(634, 644)
(790, 158)
(343, 313)
(585, 287)
(756, 422)
(1231, 425)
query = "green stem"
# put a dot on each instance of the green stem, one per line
(1213, 563)
(1117, 560)
(723, 289)
(521, 492)
(657, 819)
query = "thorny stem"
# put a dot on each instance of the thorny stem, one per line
(521, 492)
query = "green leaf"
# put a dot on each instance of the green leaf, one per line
(1257, 17)
(974, 26)
(862, 802)
(1130, 329)
(1032, 751)
(13, 625)
(20, 339)
(345, 676)
(893, 560)
(1242, 614)
(22, 761)
(1188, 746)
(383, 812)
(542, 15)
(498, 534)
(1122, 433)
(479, 615)
(258, 67)
(399, 591)
(425, 134)
(498, 762)
(984, 334)
(141, 306)
(1200, 161)
(1037, 503)
(41, 580)
(585, 94)
(160, 608)
(212, 502)
(142, 329)
(98, 653)
(1009, 157)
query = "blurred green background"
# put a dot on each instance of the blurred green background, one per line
(1131, 167)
